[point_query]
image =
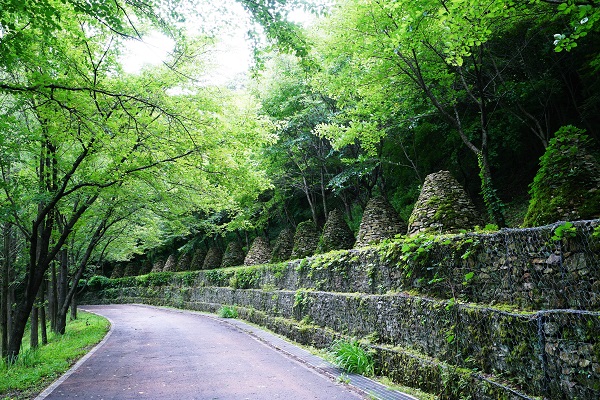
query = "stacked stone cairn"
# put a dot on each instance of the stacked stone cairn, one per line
(213, 258)
(234, 255)
(336, 234)
(443, 207)
(131, 269)
(118, 271)
(158, 265)
(145, 267)
(197, 259)
(306, 240)
(567, 185)
(183, 263)
(170, 264)
(282, 250)
(259, 253)
(380, 221)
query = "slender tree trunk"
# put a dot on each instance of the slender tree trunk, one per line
(311, 203)
(52, 297)
(61, 317)
(325, 211)
(33, 335)
(11, 300)
(4, 297)
(74, 307)
(42, 302)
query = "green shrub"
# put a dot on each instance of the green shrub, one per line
(98, 282)
(228, 312)
(218, 277)
(245, 278)
(352, 357)
(34, 369)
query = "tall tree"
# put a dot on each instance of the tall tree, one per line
(90, 133)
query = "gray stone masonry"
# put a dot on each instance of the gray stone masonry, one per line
(306, 240)
(443, 207)
(282, 250)
(183, 263)
(259, 253)
(198, 259)
(212, 259)
(336, 234)
(171, 263)
(234, 255)
(380, 221)
(158, 265)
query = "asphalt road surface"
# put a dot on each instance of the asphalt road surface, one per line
(156, 353)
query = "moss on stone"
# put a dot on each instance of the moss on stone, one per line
(284, 244)
(233, 256)
(443, 207)
(336, 234)
(259, 253)
(306, 240)
(567, 185)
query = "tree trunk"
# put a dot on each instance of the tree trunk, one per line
(324, 198)
(33, 335)
(306, 190)
(492, 202)
(61, 316)
(74, 307)
(52, 296)
(4, 297)
(42, 302)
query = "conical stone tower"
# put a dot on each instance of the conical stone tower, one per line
(443, 207)
(336, 234)
(183, 263)
(380, 221)
(118, 271)
(198, 259)
(306, 240)
(170, 264)
(158, 265)
(259, 253)
(282, 250)
(234, 255)
(213, 258)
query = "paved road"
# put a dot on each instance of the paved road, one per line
(161, 354)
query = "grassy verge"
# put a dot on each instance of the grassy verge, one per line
(36, 369)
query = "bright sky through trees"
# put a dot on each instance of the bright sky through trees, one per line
(231, 57)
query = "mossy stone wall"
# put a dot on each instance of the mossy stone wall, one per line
(521, 348)
(213, 258)
(431, 303)
(284, 244)
(336, 234)
(259, 253)
(306, 240)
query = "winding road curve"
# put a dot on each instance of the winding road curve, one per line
(155, 353)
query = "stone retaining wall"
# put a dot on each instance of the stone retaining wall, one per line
(444, 307)
(550, 353)
(524, 268)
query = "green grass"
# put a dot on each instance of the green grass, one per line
(37, 368)
(352, 357)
